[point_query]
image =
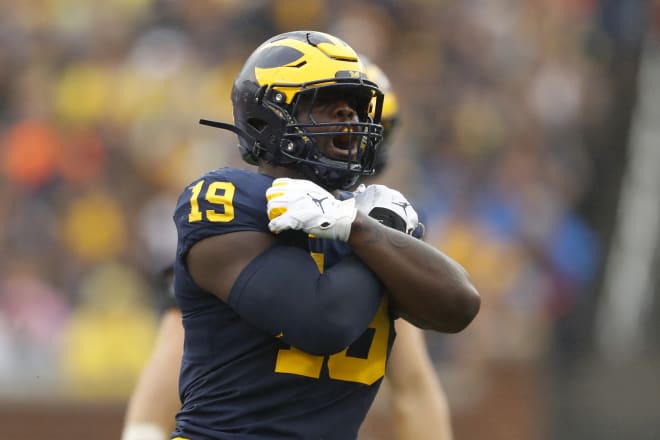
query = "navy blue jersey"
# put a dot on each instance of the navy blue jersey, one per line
(239, 382)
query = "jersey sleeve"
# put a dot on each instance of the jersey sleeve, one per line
(222, 201)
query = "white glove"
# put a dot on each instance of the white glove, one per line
(381, 202)
(303, 205)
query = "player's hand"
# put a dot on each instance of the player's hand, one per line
(388, 206)
(303, 205)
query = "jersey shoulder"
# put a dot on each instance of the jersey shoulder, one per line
(221, 201)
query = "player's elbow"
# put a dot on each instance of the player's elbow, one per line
(335, 327)
(450, 311)
(463, 308)
(327, 341)
(326, 337)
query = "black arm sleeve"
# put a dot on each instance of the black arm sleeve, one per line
(282, 292)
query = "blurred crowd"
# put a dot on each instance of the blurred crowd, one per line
(99, 103)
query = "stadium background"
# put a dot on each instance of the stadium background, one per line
(528, 139)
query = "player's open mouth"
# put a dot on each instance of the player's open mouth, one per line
(344, 145)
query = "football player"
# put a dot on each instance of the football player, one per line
(287, 286)
(415, 404)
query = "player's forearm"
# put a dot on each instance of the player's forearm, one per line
(421, 417)
(419, 403)
(426, 286)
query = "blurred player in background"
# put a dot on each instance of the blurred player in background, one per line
(155, 398)
(414, 401)
(418, 404)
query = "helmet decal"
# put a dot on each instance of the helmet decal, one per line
(278, 56)
(292, 61)
(332, 47)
